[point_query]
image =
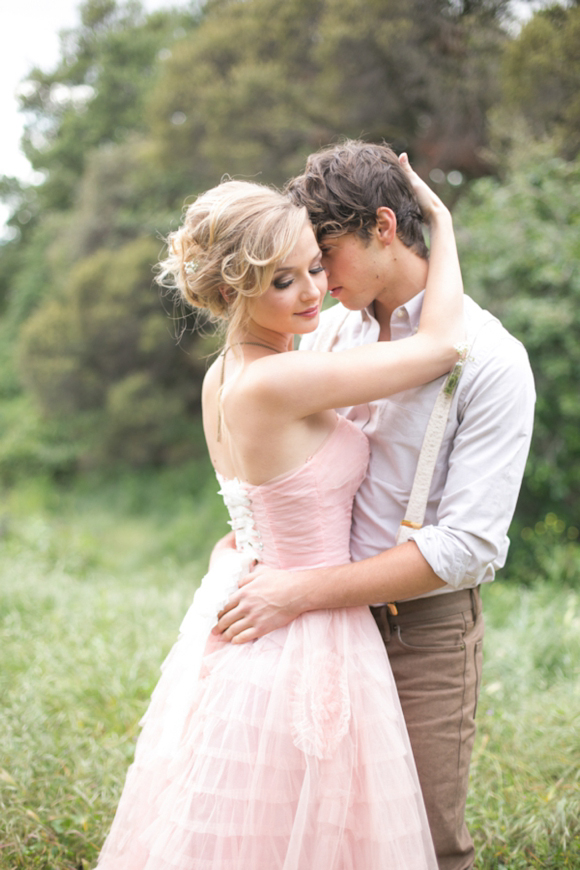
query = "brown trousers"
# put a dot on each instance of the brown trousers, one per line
(435, 649)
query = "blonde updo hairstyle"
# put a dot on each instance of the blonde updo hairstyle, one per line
(228, 247)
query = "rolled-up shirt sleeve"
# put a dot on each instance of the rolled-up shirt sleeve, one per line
(486, 463)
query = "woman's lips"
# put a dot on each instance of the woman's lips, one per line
(309, 312)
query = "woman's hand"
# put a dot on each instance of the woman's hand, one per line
(431, 206)
(442, 313)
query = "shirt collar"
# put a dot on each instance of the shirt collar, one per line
(404, 319)
(413, 308)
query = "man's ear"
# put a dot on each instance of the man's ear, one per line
(386, 225)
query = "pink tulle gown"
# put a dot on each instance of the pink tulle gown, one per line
(289, 752)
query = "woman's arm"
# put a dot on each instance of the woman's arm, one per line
(296, 385)
(442, 311)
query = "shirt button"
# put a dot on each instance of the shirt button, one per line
(400, 312)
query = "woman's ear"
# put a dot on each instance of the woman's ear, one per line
(226, 293)
(386, 225)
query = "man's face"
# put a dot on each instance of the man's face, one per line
(355, 269)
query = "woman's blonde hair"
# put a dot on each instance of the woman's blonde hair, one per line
(227, 249)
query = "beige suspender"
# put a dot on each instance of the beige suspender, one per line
(417, 504)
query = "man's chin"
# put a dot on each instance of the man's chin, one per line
(352, 304)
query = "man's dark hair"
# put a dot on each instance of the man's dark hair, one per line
(343, 186)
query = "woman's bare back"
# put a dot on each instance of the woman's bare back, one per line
(247, 436)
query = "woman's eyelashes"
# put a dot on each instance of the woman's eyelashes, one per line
(282, 283)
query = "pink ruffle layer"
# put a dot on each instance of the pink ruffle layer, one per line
(288, 753)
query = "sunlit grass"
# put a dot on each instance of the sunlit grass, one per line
(81, 658)
(93, 585)
(524, 805)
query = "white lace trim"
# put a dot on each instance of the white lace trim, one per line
(242, 521)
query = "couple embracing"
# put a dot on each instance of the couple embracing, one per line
(318, 712)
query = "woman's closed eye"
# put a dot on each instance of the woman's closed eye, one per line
(286, 281)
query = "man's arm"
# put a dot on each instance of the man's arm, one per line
(468, 542)
(272, 598)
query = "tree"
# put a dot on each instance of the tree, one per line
(257, 85)
(96, 94)
(519, 243)
(102, 356)
(86, 133)
(541, 78)
(419, 74)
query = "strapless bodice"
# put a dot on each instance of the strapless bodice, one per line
(302, 518)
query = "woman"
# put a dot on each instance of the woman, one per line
(290, 752)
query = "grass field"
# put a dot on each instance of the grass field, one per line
(93, 584)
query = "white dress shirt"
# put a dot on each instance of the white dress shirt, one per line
(482, 458)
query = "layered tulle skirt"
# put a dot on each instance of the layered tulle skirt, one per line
(286, 753)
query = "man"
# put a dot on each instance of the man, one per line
(369, 228)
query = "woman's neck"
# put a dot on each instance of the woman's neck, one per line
(257, 335)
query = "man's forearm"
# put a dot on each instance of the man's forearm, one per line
(271, 598)
(401, 572)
